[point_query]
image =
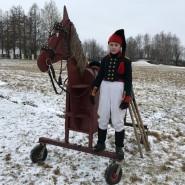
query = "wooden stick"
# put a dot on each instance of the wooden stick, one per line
(139, 126)
(135, 131)
(140, 120)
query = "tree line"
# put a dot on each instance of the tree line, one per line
(163, 48)
(23, 34)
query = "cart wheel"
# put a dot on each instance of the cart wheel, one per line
(110, 174)
(38, 153)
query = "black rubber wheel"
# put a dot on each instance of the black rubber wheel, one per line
(37, 154)
(110, 174)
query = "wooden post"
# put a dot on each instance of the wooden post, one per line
(135, 131)
(140, 120)
(139, 126)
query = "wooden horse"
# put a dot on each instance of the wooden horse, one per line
(64, 44)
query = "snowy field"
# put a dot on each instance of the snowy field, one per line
(30, 109)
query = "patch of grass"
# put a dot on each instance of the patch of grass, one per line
(168, 178)
(56, 171)
(183, 167)
(168, 163)
(135, 178)
(164, 168)
(134, 151)
(167, 137)
(179, 134)
(154, 181)
(42, 163)
(31, 183)
(7, 157)
(171, 158)
(73, 167)
(156, 135)
(165, 150)
(54, 179)
(17, 166)
(61, 115)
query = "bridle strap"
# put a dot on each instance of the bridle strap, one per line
(51, 73)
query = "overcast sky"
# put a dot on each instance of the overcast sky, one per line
(98, 19)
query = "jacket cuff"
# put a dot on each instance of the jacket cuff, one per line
(127, 99)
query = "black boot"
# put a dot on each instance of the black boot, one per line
(119, 142)
(100, 146)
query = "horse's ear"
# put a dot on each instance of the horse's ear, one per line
(65, 15)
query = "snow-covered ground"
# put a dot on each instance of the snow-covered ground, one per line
(29, 109)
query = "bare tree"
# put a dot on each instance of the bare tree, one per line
(49, 15)
(6, 34)
(93, 50)
(177, 49)
(34, 25)
(139, 42)
(146, 46)
(1, 32)
(131, 51)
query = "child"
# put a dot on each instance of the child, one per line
(115, 81)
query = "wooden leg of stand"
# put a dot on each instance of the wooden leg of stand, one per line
(142, 125)
(139, 125)
(135, 131)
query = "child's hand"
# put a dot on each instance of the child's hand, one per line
(124, 105)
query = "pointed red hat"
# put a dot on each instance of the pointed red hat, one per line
(119, 37)
(116, 38)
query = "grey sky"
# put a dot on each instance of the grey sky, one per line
(99, 19)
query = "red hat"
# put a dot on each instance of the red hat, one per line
(119, 37)
(116, 38)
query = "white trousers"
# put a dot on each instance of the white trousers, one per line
(110, 99)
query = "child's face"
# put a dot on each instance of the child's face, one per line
(114, 47)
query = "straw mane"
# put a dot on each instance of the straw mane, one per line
(77, 50)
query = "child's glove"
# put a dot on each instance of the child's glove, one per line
(124, 105)
(92, 95)
(125, 101)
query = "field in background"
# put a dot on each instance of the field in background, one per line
(29, 109)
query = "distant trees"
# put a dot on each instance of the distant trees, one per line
(22, 34)
(161, 48)
(93, 51)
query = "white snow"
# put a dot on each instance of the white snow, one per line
(30, 109)
(2, 83)
(142, 63)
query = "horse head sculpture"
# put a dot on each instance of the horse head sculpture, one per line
(63, 44)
